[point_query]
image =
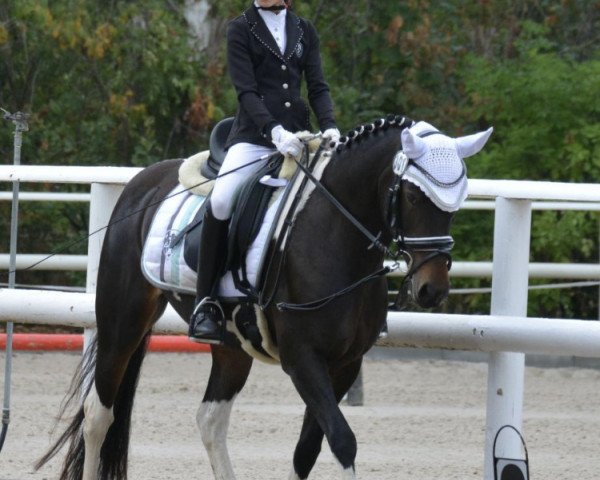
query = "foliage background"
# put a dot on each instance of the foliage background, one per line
(128, 83)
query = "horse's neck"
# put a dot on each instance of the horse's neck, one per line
(355, 177)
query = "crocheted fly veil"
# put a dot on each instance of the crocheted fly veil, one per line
(437, 165)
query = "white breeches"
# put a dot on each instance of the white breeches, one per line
(238, 155)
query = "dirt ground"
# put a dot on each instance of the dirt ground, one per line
(422, 420)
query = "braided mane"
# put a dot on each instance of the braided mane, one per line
(364, 131)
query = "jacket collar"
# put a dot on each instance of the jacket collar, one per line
(259, 29)
(294, 34)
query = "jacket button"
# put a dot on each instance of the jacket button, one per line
(285, 86)
(287, 104)
(283, 67)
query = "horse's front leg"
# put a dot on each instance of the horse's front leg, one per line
(311, 436)
(230, 370)
(311, 377)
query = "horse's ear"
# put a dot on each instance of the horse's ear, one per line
(471, 144)
(412, 145)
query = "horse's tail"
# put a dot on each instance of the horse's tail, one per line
(114, 451)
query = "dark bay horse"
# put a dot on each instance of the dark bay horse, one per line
(392, 182)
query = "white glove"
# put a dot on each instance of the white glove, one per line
(332, 135)
(286, 142)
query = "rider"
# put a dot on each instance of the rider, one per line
(269, 49)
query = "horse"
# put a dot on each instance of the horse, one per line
(373, 191)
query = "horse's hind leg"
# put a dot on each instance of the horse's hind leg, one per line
(97, 421)
(311, 436)
(124, 317)
(230, 370)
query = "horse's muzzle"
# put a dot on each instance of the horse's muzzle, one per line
(430, 284)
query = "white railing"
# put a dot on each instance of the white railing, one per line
(482, 333)
(460, 269)
(46, 197)
(506, 333)
(575, 271)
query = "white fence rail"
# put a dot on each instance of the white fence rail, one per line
(460, 269)
(507, 333)
(47, 197)
(482, 333)
(575, 271)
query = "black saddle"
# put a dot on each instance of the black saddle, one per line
(251, 204)
(216, 145)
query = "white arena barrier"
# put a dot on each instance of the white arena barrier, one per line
(482, 333)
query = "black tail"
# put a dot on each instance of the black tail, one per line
(114, 452)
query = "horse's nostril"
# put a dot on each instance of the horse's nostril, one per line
(423, 294)
(431, 295)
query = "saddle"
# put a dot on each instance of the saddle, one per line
(251, 204)
(250, 207)
(216, 147)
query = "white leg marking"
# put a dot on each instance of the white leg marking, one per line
(348, 473)
(97, 420)
(213, 422)
(294, 475)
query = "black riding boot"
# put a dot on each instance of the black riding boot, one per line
(206, 320)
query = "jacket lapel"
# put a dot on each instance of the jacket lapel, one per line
(293, 33)
(261, 32)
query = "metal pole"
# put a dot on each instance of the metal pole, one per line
(355, 396)
(20, 121)
(506, 370)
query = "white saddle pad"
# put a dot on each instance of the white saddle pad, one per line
(163, 265)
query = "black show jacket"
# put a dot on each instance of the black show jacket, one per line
(268, 82)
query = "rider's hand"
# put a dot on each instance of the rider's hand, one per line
(332, 135)
(286, 142)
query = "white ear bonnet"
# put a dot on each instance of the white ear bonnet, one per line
(437, 165)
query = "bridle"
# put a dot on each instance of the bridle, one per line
(435, 246)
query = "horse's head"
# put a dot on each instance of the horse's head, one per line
(430, 185)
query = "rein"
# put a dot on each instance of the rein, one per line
(375, 242)
(373, 238)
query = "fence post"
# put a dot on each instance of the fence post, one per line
(509, 297)
(102, 202)
(355, 395)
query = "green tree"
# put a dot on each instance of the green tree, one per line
(126, 83)
(115, 83)
(543, 103)
(106, 84)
